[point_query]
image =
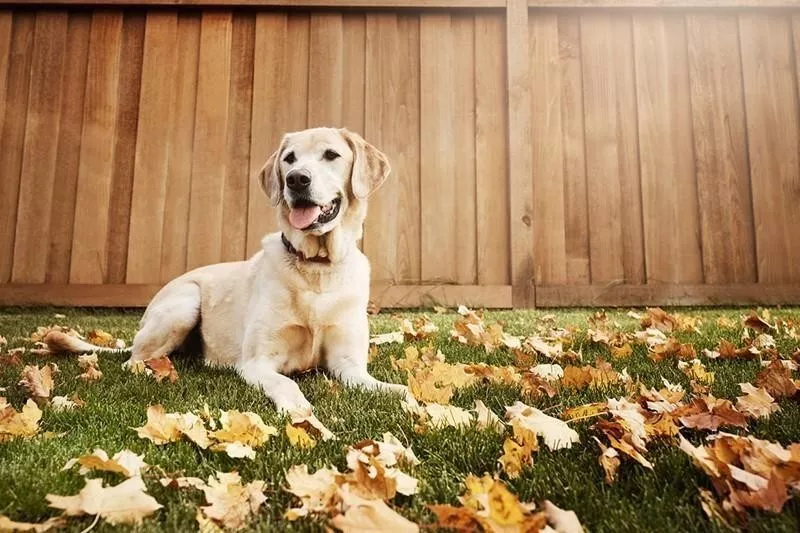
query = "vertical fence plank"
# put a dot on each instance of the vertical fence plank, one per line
(615, 210)
(175, 225)
(720, 146)
(406, 151)
(40, 146)
(520, 154)
(381, 93)
(464, 193)
(576, 210)
(237, 179)
(130, 81)
(491, 147)
(89, 245)
(211, 126)
(13, 134)
(353, 82)
(770, 90)
(69, 147)
(280, 89)
(547, 151)
(153, 147)
(325, 69)
(666, 153)
(438, 181)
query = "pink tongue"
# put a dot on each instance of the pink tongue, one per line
(302, 217)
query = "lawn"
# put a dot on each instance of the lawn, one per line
(662, 499)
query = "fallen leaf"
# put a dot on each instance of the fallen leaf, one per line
(708, 412)
(7, 524)
(756, 323)
(622, 352)
(126, 503)
(486, 419)
(310, 425)
(98, 337)
(548, 372)
(368, 515)
(231, 504)
(89, 365)
(24, 423)
(299, 437)
(600, 376)
(471, 329)
(777, 380)
(582, 412)
(38, 381)
(318, 492)
(161, 427)
(695, 369)
(124, 462)
(394, 337)
(518, 450)
(162, 369)
(556, 433)
(609, 460)
(756, 402)
(181, 482)
(240, 432)
(418, 329)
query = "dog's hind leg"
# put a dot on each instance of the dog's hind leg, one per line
(169, 318)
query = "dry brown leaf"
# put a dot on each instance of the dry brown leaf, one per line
(622, 352)
(471, 329)
(420, 328)
(756, 402)
(38, 381)
(600, 376)
(518, 450)
(162, 369)
(777, 380)
(609, 460)
(231, 504)
(582, 412)
(12, 357)
(708, 412)
(307, 420)
(126, 503)
(556, 433)
(756, 323)
(124, 462)
(24, 423)
(89, 365)
(6, 524)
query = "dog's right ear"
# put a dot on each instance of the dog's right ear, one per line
(269, 177)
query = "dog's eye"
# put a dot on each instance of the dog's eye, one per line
(330, 155)
(290, 158)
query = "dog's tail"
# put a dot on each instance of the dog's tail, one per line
(57, 341)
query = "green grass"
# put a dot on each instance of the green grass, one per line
(664, 499)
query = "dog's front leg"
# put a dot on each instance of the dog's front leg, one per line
(347, 351)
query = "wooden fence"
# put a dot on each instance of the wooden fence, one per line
(558, 153)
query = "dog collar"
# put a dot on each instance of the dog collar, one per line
(300, 255)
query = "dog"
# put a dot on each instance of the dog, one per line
(301, 301)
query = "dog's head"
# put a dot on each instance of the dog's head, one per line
(320, 178)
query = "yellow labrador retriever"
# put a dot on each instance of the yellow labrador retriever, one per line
(300, 302)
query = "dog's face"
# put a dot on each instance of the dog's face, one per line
(317, 175)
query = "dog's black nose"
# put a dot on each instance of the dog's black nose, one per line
(298, 180)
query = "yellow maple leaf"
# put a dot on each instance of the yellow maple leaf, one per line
(126, 503)
(161, 427)
(756, 402)
(124, 462)
(24, 423)
(244, 427)
(299, 437)
(231, 504)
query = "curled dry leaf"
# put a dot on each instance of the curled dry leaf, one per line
(471, 329)
(708, 412)
(39, 381)
(387, 338)
(609, 460)
(126, 503)
(556, 433)
(24, 423)
(124, 462)
(307, 420)
(777, 380)
(486, 419)
(162, 369)
(695, 369)
(600, 376)
(363, 515)
(418, 329)
(756, 402)
(6, 524)
(62, 403)
(88, 363)
(518, 450)
(98, 337)
(757, 323)
(231, 504)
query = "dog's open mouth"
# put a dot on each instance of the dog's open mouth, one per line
(306, 215)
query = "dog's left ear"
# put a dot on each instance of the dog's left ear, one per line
(269, 177)
(370, 166)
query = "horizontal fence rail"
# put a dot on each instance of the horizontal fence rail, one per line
(544, 153)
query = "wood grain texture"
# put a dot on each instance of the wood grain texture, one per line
(237, 178)
(576, 208)
(210, 141)
(491, 147)
(12, 135)
(153, 147)
(547, 151)
(440, 231)
(37, 178)
(175, 226)
(770, 90)
(520, 154)
(325, 69)
(88, 263)
(119, 215)
(69, 148)
(612, 151)
(465, 191)
(720, 146)
(354, 46)
(666, 152)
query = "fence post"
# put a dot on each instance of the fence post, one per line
(519, 153)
